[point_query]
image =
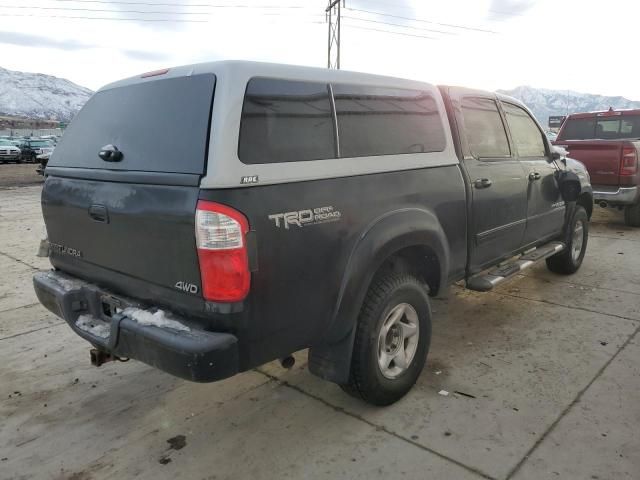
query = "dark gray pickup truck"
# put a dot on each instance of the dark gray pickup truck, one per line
(210, 218)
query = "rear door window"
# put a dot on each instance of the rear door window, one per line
(160, 126)
(286, 121)
(484, 129)
(524, 131)
(376, 121)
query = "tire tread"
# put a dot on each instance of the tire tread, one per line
(562, 262)
(382, 286)
(632, 215)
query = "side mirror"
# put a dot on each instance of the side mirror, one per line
(558, 153)
(569, 184)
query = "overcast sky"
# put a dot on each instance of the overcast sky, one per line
(581, 45)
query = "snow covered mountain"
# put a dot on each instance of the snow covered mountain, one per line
(544, 102)
(35, 95)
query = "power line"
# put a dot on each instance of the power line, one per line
(389, 31)
(399, 25)
(102, 18)
(390, 4)
(510, 14)
(116, 19)
(207, 5)
(159, 12)
(463, 27)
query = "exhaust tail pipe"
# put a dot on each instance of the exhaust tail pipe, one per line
(288, 362)
(603, 204)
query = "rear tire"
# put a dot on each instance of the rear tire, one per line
(569, 260)
(392, 339)
(632, 215)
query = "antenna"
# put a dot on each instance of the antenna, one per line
(332, 13)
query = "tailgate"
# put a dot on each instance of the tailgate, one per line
(601, 157)
(129, 225)
(143, 231)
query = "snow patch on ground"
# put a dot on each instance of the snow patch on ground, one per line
(94, 326)
(159, 318)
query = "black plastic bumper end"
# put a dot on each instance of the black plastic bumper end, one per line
(187, 352)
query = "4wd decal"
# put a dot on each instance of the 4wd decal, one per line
(186, 287)
(302, 218)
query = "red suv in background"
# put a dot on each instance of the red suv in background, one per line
(608, 143)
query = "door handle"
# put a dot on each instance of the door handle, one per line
(110, 153)
(533, 176)
(482, 183)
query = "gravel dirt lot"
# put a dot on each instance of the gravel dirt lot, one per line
(19, 174)
(543, 375)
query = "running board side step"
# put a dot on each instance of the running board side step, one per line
(483, 282)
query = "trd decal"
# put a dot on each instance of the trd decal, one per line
(186, 287)
(303, 218)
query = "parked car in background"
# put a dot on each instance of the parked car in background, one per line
(608, 143)
(307, 208)
(51, 138)
(31, 148)
(9, 152)
(43, 158)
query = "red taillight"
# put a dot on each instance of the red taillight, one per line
(629, 161)
(222, 252)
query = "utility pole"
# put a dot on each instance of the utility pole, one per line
(332, 13)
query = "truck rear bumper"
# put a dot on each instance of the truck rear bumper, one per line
(615, 195)
(114, 324)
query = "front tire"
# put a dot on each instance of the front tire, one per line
(632, 215)
(569, 260)
(392, 339)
